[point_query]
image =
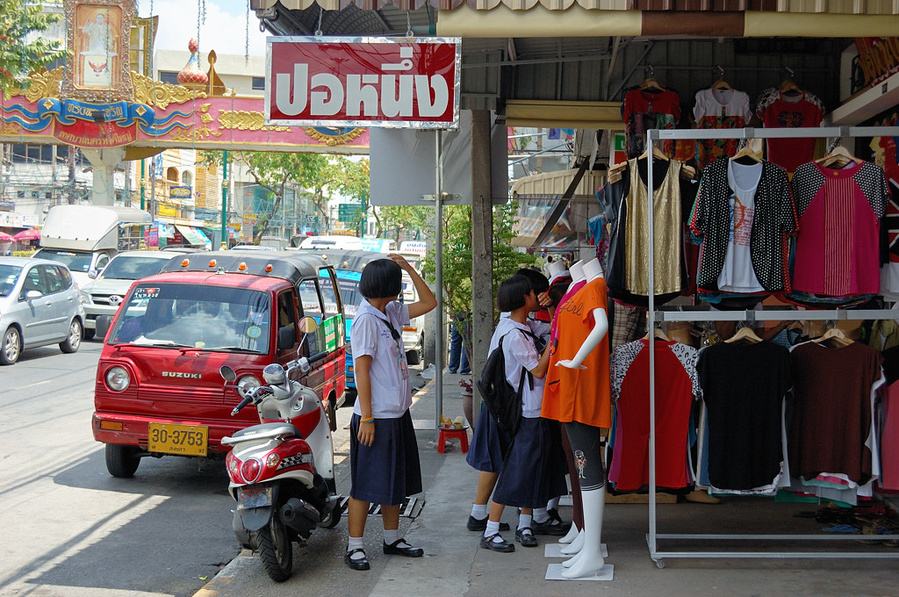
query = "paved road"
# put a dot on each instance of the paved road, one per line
(71, 529)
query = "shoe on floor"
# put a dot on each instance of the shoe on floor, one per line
(358, 563)
(453, 371)
(465, 372)
(401, 548)
(526, 537)
(552, 527)
(481, 525)
(501, 545)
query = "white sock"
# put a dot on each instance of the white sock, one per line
(390, 536)
(524, 521)
(553, 504)
(479, 511)
(540, 515)
(492, 528)
(355, 543)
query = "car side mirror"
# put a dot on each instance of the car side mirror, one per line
(31, 295)
(287, 337)
(103, 323)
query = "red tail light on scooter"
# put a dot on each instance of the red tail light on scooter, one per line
(251, 469)
(233, 467)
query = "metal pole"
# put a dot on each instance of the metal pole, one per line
(143, 185)
(438, 259)
(224, 244)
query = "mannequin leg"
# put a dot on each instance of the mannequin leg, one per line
(575, 546)
(590, 560)
(573, 532)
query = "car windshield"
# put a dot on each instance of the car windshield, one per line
(76, 261)
(132, 267)
(194, 316)
(8, 276)
(349, 292)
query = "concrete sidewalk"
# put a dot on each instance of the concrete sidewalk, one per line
(454, 564)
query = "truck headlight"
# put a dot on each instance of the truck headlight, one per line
(86, 298)
(117, 379)
(246, 383)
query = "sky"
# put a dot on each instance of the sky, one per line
(224, 29)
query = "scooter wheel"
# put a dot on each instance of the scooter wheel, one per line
(275, 549)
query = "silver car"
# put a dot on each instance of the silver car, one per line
(39, 305)
(103, 294)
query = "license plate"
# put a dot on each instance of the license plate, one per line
(184, 440)
(254, 497)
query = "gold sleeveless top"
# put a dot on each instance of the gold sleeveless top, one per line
(667, 223)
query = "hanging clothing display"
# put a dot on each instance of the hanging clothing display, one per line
(744, 386)
(646, 109)
(837, 250)
(719, 109)
(790, 111)
(718, 208)
(830, 425)
(889, 273)
(580, 395)
(889, 423)
(675, 363)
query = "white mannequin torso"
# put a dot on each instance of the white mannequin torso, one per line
(593, 269)
(577, 272)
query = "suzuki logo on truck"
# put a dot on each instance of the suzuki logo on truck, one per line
(182, 374)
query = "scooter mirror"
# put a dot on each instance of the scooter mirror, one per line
(228, 373)
(308, 325)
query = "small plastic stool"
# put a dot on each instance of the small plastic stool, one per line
(447, 433)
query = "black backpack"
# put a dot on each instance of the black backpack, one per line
(501, 399)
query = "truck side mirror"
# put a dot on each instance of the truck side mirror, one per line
(287, 337)
(92, 274)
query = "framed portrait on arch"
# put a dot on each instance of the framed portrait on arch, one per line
(98, 36)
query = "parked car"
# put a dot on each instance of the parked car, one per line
(39, 305)
(105, 291)
(158, 389)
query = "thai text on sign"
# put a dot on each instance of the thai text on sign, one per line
(403, 83)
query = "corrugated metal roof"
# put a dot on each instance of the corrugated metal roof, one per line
(856, 7)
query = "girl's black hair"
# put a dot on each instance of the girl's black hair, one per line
(381, 278)
(538, 281)
(512, 293)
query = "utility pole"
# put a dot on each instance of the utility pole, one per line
(225, 200)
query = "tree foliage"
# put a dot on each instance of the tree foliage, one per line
(18, 57)
(457, 256)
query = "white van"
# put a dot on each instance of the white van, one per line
(85, 237)
(340, 243)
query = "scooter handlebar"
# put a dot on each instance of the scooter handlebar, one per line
(318, 357)
(241, 404)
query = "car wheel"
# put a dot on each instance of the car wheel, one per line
(73, 340)
(11, 346)
(89, 334)
(122, 461)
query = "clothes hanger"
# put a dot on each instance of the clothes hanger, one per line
(840, 156)
(747, 334)
(720, 82)
(747, 156)
(659, 333)
(834, 336)
(649, 83)
(787, 85)
(656, 154)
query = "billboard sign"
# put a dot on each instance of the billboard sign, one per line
(363, 82)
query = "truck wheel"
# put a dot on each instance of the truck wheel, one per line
(10, 346)
(275, 549)
(122, 461)
(413, 357)
(73, 340)
(349, 397)
(89, 334)
(332, 413)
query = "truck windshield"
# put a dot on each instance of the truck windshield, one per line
(132, 267)
(76, 261)
(188, 315)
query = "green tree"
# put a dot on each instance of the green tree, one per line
(18, 57)
(351, 179)
(401, 219)
(457, 257)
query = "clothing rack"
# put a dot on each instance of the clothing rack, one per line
(682, 314)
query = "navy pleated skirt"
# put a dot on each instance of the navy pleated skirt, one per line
(488, 444)
(534, 471)
(388, 471)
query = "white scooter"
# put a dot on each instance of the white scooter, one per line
(282, 471)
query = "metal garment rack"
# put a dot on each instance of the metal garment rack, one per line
(682, 314)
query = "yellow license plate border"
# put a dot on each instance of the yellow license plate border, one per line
(169, 448)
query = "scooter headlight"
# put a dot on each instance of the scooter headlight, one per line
(245, 384)
(117, 379)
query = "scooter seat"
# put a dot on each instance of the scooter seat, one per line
(263, 431)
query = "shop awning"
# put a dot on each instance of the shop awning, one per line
(191, 235)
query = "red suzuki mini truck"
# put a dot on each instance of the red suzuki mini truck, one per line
(158, 390)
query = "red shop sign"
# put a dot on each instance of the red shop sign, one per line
(359, 82)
